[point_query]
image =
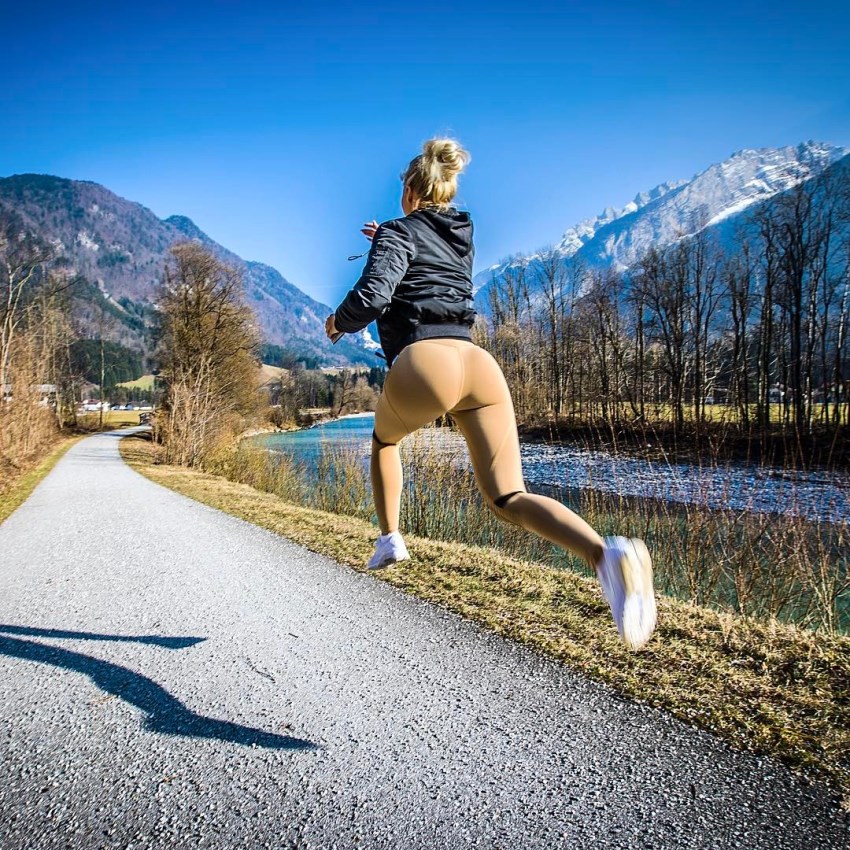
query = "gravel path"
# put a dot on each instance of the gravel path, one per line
(173, 677)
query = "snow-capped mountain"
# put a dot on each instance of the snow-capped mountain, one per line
(671, 211)
(578, 236)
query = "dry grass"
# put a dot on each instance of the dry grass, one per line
(734, 560)
(659, 412)
(112, 419)
(762, 686)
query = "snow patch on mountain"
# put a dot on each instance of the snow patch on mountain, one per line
(578, 236)
(367, 341)
(86, 241)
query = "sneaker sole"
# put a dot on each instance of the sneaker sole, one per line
(650, 613)
(639, 613)
(388, 562)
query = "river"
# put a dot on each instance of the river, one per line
(737, 486)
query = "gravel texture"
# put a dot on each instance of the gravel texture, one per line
(174, 677)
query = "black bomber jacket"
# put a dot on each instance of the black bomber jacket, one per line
(417, 281)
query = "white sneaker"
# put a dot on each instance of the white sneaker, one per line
(389, 549)
(625, 573)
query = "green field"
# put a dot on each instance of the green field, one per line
(143, 383)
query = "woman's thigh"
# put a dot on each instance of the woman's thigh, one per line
(425, 381)
(485, 416)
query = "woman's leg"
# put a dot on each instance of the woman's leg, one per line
(485, 416)
(423, 383)
(387, 479)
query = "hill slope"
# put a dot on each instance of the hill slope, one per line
(121, 247)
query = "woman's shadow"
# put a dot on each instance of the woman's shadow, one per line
(163, 712)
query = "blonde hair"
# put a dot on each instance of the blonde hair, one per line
(432, 176)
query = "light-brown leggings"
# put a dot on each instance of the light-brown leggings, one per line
(434, 376)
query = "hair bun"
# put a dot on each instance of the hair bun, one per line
(432, 175)
(450, 156)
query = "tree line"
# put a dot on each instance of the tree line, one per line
(208, 350)
(46, 362)
(120, 364)
(36, 333)
(758, 325)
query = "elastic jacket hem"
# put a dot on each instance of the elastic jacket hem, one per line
(435, 331)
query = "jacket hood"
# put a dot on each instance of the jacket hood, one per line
(454, 226)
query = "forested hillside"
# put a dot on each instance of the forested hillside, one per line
(116, 250)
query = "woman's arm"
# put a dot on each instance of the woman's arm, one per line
(391, 253)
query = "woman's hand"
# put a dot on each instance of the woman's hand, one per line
(369, 229)
(331, 329)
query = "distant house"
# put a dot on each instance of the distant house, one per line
(46, 393)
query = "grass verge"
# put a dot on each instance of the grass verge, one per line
(763, 687)
(19, 490)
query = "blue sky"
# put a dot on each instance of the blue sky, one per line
(279, 128)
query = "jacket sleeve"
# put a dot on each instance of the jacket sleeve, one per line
(391, 253)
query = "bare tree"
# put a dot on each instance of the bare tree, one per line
(344, 388)
(35, 330)
(602, 302)
(551, 279)
(23, 258)
(703, 295)
(208, 345)
(737, 273)
(661, 282)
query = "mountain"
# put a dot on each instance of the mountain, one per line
(120, 248)
(715, 197)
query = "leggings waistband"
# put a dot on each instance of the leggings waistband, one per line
(446, 340)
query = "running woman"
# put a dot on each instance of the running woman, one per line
(417, 284)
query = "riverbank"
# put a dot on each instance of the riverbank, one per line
(762, 686)
(290, 427)
(256, 432)
(564, 470)
(359, 415)
(307, 421)
(719, 441)
(714, 442)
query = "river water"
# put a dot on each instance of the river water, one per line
(737, 486)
